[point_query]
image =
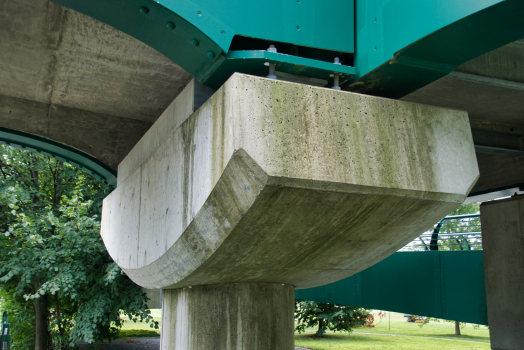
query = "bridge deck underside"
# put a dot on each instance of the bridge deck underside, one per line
(69, 78)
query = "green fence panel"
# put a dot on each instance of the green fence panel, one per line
(442, 284)
(463, 287)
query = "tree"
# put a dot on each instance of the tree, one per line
(461, 226)
(329, 316)
(53, 264)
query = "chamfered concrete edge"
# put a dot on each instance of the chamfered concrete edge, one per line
(182, 253)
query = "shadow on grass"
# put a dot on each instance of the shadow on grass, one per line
(137, 333)
(346, 337)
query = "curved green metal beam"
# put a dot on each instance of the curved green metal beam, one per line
(398, 45)
(404, 45)
(197, 34)
(60, 151)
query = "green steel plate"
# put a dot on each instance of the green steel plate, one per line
(252, 62)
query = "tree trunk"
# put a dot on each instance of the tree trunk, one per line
(457, 328)
(41, 323)
(320, 327)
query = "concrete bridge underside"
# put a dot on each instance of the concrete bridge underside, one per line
(69, 78)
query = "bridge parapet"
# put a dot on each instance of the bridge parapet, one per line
(459, 232)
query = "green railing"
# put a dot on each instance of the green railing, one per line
(460, 232)
(5, 337)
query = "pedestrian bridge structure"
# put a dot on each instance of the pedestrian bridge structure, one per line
(440, 284)
(379, 118)
(86, 80)
(440, 274)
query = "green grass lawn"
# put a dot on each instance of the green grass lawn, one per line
(342, 341)
(399, 334)
(386, 335)
(432, 329)
(130, 325)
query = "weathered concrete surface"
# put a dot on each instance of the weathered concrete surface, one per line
(503, 242)
(278, 182)
(257, 316)
(72, 79)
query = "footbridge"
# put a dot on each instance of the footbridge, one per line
(441, 280)
(263, 147)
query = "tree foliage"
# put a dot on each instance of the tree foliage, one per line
(329, 316)
(461, 226)
(53, 264)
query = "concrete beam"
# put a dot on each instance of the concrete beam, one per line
(499, 172)
(72, 79)
(505, 64)
(54, 55)
(272, 181)
(105, 137)
(503, 243)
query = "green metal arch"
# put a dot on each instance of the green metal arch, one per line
(394, 58)
(60, 151)
(398, 45)
(197, 34)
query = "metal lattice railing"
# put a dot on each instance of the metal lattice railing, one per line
(460, 232)
(5, 337)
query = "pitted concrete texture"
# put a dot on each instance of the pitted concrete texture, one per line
(278, 182)
(503, 241)
(229, 316)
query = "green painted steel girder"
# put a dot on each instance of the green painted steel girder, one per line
(388, 47)
(60, 151)
(403, 45)
(441, 284)
(396, 46)
(252, 62)
(198, 35)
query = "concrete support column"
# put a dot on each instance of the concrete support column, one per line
(503, 242)
(254, 316)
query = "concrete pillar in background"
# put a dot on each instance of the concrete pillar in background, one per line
(503, 243)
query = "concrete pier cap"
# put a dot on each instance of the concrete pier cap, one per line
(277, 182)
